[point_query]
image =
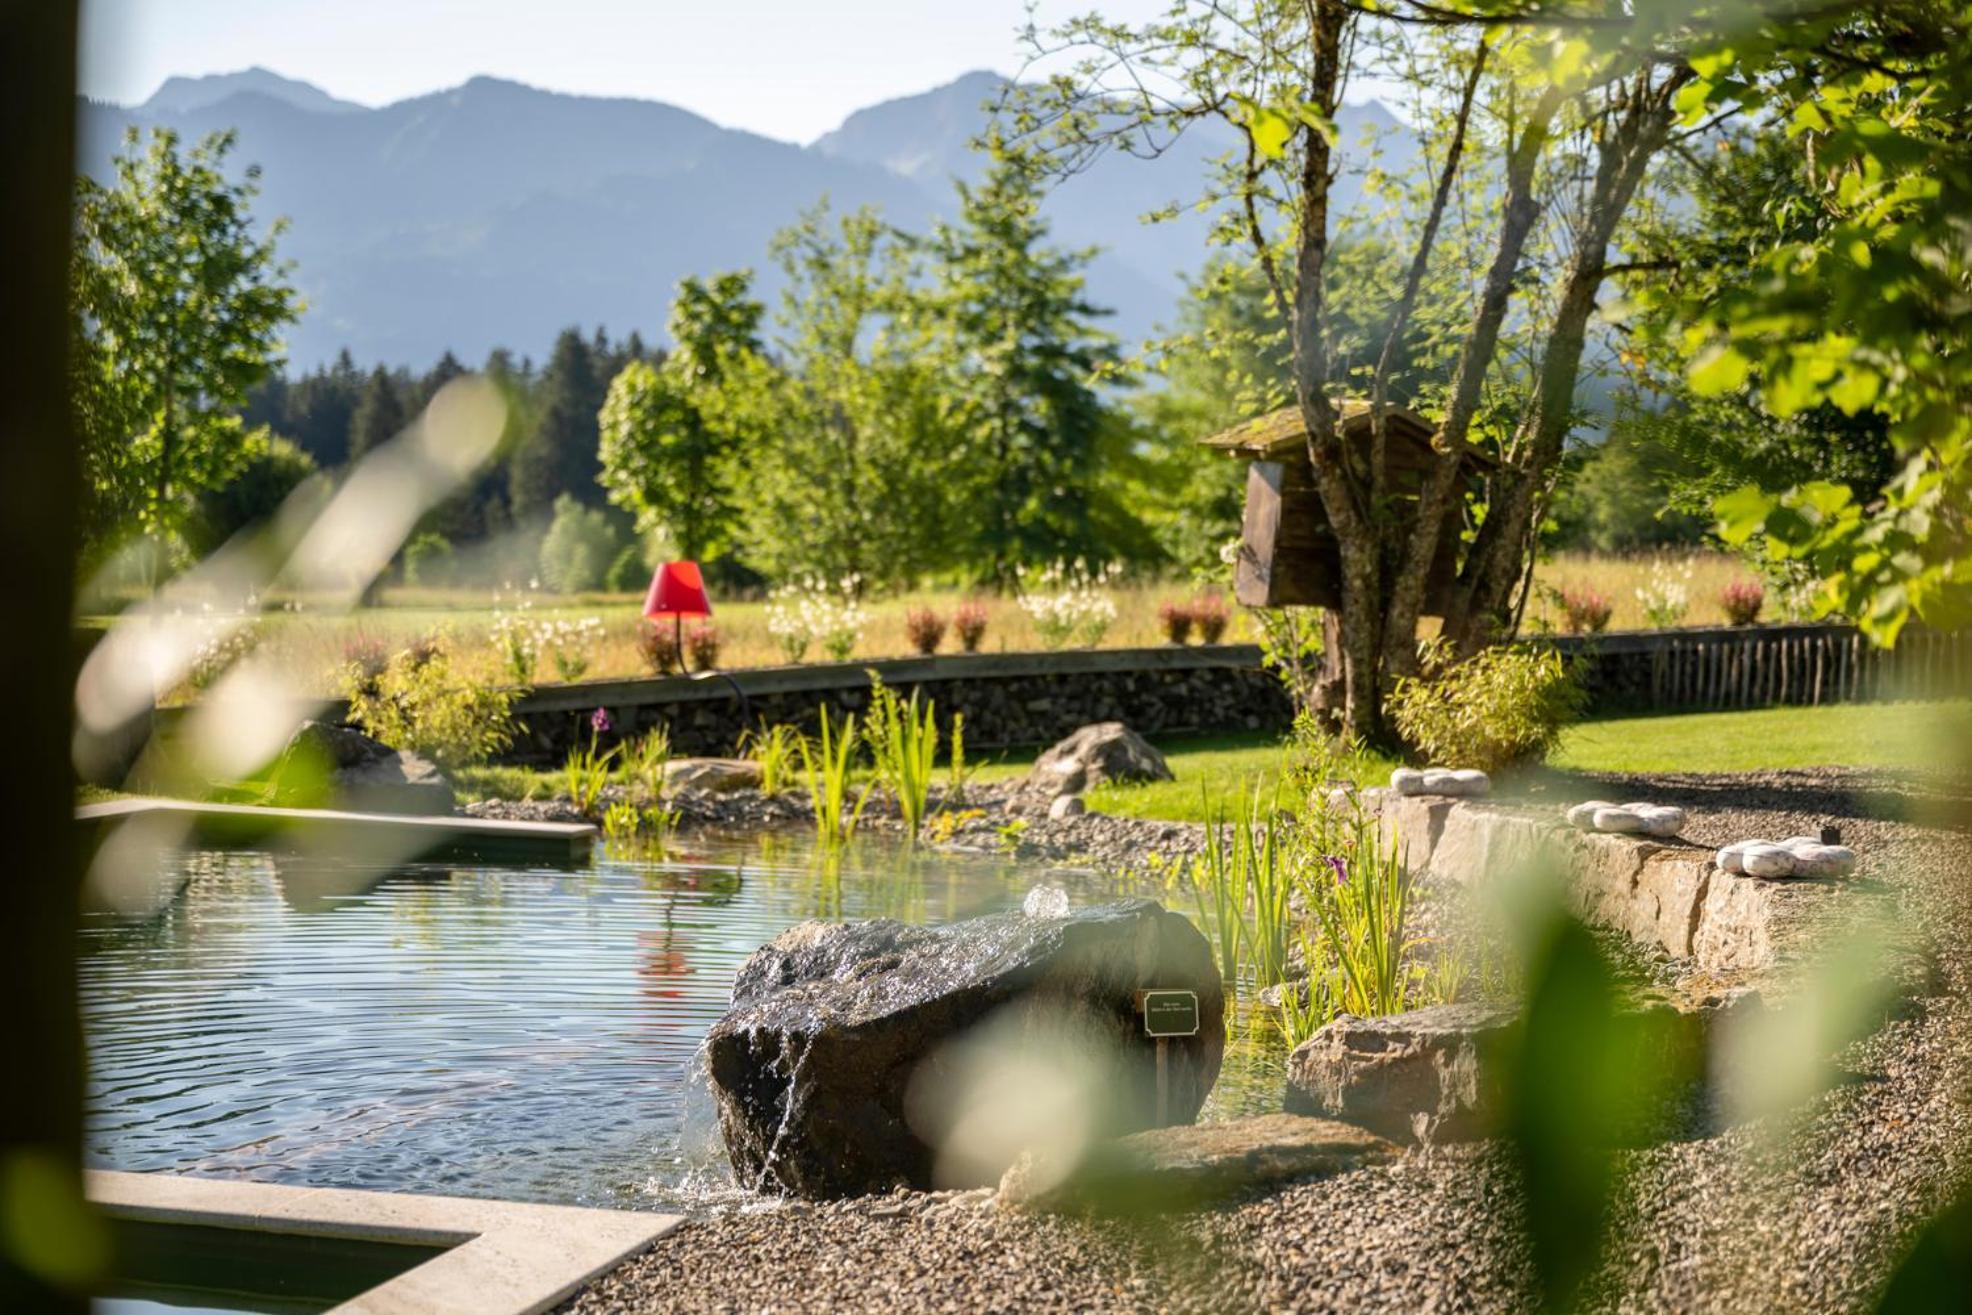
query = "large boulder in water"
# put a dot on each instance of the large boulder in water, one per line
(862, 1057)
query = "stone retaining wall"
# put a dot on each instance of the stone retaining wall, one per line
(1008, 699)
(1664, 894)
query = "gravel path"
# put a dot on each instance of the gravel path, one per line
(1740, 1220)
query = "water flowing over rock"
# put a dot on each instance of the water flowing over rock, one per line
(861, 1057)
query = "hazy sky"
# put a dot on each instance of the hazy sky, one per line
(788, 68)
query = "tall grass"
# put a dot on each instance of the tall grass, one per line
(774, 749)
(585, 772)
(829, 762)
(644, 761)
(903, 742)
(1242, 884)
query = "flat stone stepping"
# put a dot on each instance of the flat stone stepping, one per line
(1181, 1168)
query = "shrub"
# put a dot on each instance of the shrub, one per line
(428, 560)
(421, 703)
(1068, 603)
(579, 547)
(926, 629)
(1177, 619)
(1502, 706)
(702, 643)
(1585, 609)
(810, 609)
(969, 622)
(1741, 601)
(627, 574)
(1211, 615)
(658, 643)
(364, 658)
(1667, 596)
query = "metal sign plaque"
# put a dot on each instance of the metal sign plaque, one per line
(1170, 1013)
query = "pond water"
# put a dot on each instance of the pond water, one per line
(525, 1034)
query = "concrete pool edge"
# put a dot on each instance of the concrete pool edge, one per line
(504, 1257)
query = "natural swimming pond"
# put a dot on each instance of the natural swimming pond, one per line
(504, 1032)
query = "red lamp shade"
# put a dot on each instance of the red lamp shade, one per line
(677, 589)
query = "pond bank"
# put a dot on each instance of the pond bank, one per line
(1719, 1221)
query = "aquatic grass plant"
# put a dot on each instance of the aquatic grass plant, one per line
(957, 774)
(644, 760)
(1242, 883)
(774, 750)
(903, 741)
(829, 762)
(587, 770)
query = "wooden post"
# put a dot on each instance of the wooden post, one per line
(1163, 1082)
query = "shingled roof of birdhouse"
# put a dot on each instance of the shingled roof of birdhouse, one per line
(1280, 433)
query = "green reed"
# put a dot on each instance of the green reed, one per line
(903, 740)
(644, 762)
(829, 761)
(774, 749)
(585, 773)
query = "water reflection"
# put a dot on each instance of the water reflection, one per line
(480, 1031)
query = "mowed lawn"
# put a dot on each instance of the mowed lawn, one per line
(1927, 735)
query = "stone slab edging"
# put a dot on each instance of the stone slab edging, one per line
(505, 1257)
(756, 682)
(1664, 894)
(392, 837)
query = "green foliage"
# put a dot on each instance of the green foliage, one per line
(1504, 705)
(1849, 292)
(856, 465)
(774, 749)
(578, 548)
(270, 469)
(1026, 355)
(668, 450)
(558, 455)
(380, 414)
(428, 560)
(585, 773)
(422, 703)
(178, 308)
(1241, 883)
(903, 744)
(644, 760)
(829, 762)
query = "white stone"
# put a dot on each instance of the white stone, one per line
(1341, 799)
(1440, 780)
(1820, 860)
(1801, 842)
(1582, 816)
(1471, 781)
(1620, 820)
(1407, 780)
(1763, 860)
(1732, 858)
(1659, 820)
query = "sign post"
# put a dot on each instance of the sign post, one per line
(1167, 1013)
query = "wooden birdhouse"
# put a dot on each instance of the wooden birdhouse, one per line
(1287, 553)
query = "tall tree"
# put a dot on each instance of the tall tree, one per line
(1568, 119)
(380, 414)
(667, 454)
(854, 465)
(559, 454)
(1028, 350)
(178, 307)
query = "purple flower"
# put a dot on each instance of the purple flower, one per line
(599, 722)
(1341, 869)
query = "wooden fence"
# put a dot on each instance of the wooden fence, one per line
(1762, 666)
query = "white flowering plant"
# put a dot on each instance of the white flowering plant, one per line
(570, 644)
(1068, 601)
(811, 610)
(1666, 596)
(516, 637)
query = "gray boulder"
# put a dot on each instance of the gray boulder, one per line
(1423, 1075)
(861, 1057)
(717, 775)
(1106, 751)
(340, 767)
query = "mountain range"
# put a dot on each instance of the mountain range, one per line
(495, 213)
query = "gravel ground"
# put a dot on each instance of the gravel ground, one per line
(1804, 1218)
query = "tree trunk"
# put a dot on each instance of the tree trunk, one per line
(41, 1109)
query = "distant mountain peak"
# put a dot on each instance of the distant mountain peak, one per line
(183, 95)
